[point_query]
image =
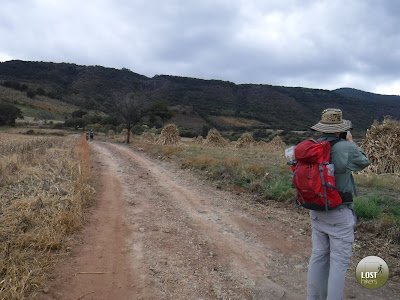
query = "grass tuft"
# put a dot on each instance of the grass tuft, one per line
(367, 207)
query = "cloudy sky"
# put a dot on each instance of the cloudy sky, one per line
(324, 44)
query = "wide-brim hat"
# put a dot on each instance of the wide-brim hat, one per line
(332, 121)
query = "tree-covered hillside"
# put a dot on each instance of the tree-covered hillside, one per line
(275, 107)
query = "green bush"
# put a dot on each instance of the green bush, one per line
(367, 207)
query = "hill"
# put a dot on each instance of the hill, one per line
(216, 103)
(385, 104)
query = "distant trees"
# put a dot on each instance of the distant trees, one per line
(78, 113)
(15, 85)
(44, 115)
(9, 113)
(76, 123)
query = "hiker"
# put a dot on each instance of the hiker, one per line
(333, 230)
(91, 134)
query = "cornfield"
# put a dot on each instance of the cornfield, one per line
(44, 189)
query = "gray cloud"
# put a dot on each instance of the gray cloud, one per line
(316, 44)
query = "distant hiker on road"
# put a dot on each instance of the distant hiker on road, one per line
(333, 230)
(91, 133)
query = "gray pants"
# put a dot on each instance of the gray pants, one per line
(332, 238)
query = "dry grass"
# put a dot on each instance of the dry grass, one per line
(37, 131)
(241, 122)
(44, 190)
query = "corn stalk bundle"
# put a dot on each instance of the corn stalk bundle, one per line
(382, 147)
(169, 135)
(261, 144)
(123, 135)
(111, 134)
(214, 139)
(276, 144)
(147, 137)
(198, 140)
(245, 141)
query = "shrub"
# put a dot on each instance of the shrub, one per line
(170, 151)
(256, 170)
(279, 189)
(201, 162)
(367, 207)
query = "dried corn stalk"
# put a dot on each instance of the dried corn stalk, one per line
(147, 137)
(382, 146)
(245, 141)
(215, 139)
(198, 140)
(276, 144)
(123, 135)
(111, 134)
(169, 135)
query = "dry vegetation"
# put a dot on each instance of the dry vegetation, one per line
(382, 146)
(111, 134)
(241, 122)
(276, 144)
(148, 137)
(169, 136)
(245, 141)
(44, 192)
(38, 102)
(214, 139)
(122, 136)
(198, 140)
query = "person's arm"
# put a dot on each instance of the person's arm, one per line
(357, 158)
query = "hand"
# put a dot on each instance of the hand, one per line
(349, 137)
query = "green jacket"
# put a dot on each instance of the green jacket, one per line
(346, 157)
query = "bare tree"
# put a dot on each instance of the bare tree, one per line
(134, 107)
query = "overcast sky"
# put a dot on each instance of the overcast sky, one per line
(324, 44)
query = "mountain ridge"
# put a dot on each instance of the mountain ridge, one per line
(277, 107)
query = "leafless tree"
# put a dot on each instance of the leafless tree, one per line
(134, 107)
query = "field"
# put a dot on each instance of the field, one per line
(43, 195)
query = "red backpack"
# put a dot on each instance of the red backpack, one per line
(313, 176)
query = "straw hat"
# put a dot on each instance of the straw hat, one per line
(332, 121)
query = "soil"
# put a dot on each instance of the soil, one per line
(160, 232)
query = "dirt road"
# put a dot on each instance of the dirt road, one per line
(159, 232)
